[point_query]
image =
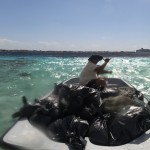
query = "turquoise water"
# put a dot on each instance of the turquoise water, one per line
(34, 77)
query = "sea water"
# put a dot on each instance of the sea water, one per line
(34, 77)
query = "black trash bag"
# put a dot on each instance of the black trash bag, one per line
(59, 91)
(77, 143)
(50, 110)
(70, 130)
(26, 110)
(98, 132)
(79, 100)
(42, 117)
(68, 102)
(72, 98)
(88, 113)
(72, 107)
(121, 128)
(129, 124)
(92, 101)
(92, 97)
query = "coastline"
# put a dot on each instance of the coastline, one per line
(73, 53)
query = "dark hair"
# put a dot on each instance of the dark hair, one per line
(95, 57)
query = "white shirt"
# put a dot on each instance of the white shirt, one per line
(88, 73)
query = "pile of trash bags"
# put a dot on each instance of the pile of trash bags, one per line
(71, 112)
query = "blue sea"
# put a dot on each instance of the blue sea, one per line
(34, 77)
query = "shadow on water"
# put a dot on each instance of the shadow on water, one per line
(12, 67)
(25, 74)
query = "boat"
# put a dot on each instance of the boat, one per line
(22, 135)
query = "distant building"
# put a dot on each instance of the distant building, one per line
(143, 50)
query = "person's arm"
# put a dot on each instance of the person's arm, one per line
(99, 69)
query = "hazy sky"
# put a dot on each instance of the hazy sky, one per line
(75, 24)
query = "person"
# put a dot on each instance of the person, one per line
(90, 72)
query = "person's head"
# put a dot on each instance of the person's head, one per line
(95, 58)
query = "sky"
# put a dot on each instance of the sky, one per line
(81, 25)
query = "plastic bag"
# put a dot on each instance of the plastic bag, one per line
(70, 130)
(120, 128)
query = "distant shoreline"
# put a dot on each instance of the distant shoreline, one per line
(73, 53)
